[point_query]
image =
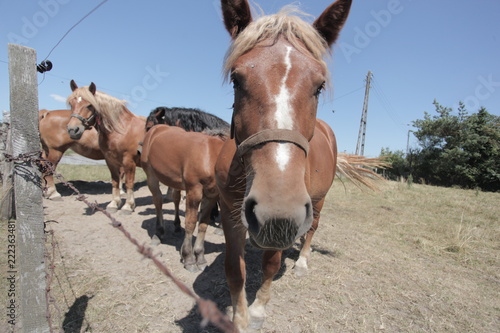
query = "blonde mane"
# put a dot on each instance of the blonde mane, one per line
(288, 24)
(109, 108)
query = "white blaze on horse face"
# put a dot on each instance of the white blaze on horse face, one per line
(79, 99)
(283, 115)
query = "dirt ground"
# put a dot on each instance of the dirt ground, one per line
(362, 278)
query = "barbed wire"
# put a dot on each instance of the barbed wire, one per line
(208, 309)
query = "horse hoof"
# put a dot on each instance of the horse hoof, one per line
(125, 212)
(111, 210)
(155, 241)
(256, 324)
(202, 267)
(219, 232)
(193, 268)
(300, 269)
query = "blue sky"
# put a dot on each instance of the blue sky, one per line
(155, 53)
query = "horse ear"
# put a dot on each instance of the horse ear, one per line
(237, 16)
(92, 88)
(331, 21)
(73, 85)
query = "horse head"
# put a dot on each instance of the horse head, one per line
(277, 70)
(83, 107)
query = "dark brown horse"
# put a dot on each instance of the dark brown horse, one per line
(274, 174)
(120, 135)
(55, 141)
(183, 161)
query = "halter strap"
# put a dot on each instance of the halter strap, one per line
(273, 135)
(85, 121)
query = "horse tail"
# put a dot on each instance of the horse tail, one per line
(360, 169)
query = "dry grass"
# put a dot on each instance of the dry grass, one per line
(92, 173)
(403, 259)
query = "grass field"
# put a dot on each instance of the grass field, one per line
(410, 258)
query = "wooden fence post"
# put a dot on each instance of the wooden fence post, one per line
(7, 209)
(30, 241)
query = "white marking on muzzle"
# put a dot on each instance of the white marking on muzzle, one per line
(283, 113)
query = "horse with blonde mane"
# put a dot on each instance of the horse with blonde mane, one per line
(56, 140)
(275, 171)
(120, 135)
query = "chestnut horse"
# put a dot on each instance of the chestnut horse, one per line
(55, 141)
(120, 135)
(183, 161)
(275, 171)
(192, 120)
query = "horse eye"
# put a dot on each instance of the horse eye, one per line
(91, 108)
(236, 84)
(319, 90)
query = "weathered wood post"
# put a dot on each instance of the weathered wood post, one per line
(30, 239)
(7, 209)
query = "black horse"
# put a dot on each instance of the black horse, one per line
(192, 120)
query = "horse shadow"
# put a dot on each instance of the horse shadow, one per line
(75, 317)
(90, 187)
(175, 239)
(211, 285)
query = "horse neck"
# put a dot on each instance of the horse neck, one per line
(125, 117)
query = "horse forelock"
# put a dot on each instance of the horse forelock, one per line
(110, 108)
(288, 24)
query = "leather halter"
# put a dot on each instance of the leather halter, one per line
(273, 135)
(86, 122)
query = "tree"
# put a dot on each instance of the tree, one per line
(458, 149)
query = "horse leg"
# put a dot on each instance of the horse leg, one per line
(154, 187)
(116, 200)
(271, 263)
(176, 195)
(53, 156)
(193, 199)
(129, 205)
(234, 266)
(199, 245)
(300, 269)
(169, 196)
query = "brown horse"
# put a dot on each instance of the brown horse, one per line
(274, 174)
(184, 161)
(55, 141)
(120, 135)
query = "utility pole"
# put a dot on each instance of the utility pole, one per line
(360, 147)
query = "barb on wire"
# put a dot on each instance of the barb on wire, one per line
(207, 308)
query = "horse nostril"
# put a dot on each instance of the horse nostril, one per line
(308, 209)
(253, 223)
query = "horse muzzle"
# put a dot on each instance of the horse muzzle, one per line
(271, 229)
(76, 132)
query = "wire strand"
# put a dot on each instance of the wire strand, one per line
(74, 25)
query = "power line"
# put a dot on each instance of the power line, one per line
(74, 25)
(386, 104)
(347, 94)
